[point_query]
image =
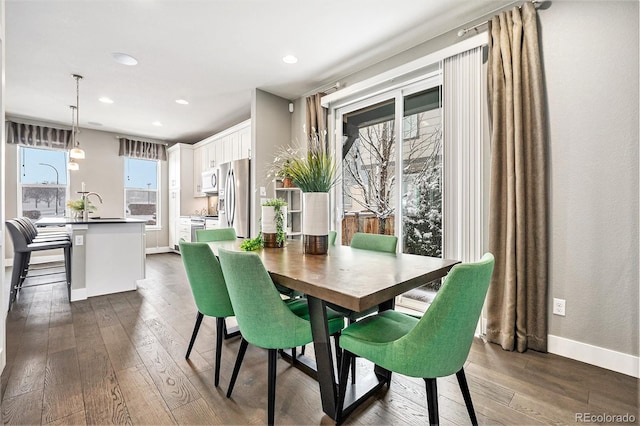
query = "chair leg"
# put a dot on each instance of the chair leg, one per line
(336, 342)
(219, 336)
(67, 267)
(464, 387)
(432, 401)
(293, 356)
(199, 317)
(303, 349)
(353, 359)
(16, 272)
(236, 368)
(25, 259)
(345, 364)
(271, 386)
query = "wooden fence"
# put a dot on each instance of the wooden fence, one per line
(364, 222)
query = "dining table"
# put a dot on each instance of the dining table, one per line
(351, 278)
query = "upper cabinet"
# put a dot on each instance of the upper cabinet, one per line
(229, 145)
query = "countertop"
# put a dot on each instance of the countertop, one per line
(58, 221)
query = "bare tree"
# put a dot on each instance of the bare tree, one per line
(369, 165)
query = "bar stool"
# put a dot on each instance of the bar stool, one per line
(23, 246)
(34, 234)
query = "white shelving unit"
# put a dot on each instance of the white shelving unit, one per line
(293, 198)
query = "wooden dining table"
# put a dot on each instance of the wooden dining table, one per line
(354, 279)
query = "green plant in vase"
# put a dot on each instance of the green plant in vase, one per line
(274, 213)
(78, 206)
(315, 174)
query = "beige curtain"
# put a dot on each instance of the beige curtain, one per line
(143, 150)
(517, 300)
(316, 124)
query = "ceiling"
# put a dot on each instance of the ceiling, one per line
(210, 53)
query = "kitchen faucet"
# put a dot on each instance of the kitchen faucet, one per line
(85, 196)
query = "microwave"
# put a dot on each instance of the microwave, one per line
(210, 181)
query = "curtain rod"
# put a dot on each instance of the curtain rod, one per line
(475, 27)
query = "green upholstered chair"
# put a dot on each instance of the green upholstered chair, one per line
(373, 242)
(332, 238)
(211, 235)
(209, 292)
(265, 320)
(436, 345)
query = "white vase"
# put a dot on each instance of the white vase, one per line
(269, 224)
(315, 222)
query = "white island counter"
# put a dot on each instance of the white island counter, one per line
(107, 256)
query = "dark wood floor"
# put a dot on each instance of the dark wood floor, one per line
(120, 359)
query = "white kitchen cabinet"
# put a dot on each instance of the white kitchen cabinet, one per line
(212, 159)
(231, 144)
(181, 188)
(184, 229)
(234, 142)
(227, 155)
(197, 171)
(245, 142)
(219, 152)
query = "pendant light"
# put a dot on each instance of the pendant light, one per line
(72, 165)
(76, 152)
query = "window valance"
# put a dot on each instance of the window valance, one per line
(143, 150)
(37, 136)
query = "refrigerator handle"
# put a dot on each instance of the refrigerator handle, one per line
(227, 199)
(232, 197)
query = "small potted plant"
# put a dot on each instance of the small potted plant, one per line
(77, 207)
(280, 168)
(285, 174)
(274, 223)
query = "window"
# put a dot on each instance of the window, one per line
(141, 190)
(43, 182)
(371, 183)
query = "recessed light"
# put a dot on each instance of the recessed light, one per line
(182, 102)
(157, 123)
(124, 59)
(105, 100)
(289, 59)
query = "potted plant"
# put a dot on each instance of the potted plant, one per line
(274, 223)
(77, 207)
(281, 166)
(315, 174)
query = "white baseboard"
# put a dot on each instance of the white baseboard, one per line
(78, 294)
(155, 250)
(600, 357)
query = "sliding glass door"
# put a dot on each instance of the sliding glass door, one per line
(402, 127)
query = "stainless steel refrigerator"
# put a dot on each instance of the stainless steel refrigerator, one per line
(234, 195)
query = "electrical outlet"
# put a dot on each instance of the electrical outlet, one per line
(263, 191)
(559, 306)
(79, 240)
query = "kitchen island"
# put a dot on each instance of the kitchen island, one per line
(107, 255)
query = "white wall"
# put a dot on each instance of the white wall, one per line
(590, 53)
(102, 171)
